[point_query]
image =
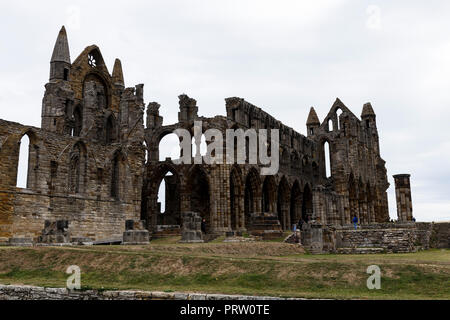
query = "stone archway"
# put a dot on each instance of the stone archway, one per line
(236, 200)
(269, 195)
(353, 198)
(296, 203)
(283, 204)
(199, 193)
(150, 210)
(307, 205)
(251, 196)
(362, 201)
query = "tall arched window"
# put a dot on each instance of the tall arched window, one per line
(78, 121)
(162, 192)
(75, 170)
(326, 148)
(22, 168)
(110, 130)
(338, 114)
(115, 176)
(330, 125)
(146, 151)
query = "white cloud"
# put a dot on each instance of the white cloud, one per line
(374, 17)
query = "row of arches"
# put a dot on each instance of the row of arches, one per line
(249, 195)
(290, 162)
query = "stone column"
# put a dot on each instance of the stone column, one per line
(403, 195)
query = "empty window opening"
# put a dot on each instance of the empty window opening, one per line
(338, 116)
(146, 152)
(169, 147)
(22, 168)
(162, 192)
(330, 125)
(326, 147)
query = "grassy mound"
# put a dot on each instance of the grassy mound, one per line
(260, 268)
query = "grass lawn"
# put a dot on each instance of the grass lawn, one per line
(257, 268)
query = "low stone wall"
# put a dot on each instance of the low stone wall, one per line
(389, 240)
(16, 292)
(376, 238)
(440, 235)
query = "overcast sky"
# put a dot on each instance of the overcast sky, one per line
(283, 56)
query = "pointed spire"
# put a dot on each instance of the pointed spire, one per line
(313, 119)
(367, 110)
(61, 51)
(117, 73)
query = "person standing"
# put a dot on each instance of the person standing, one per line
(355, 221)
(300, 224)
(203, 226)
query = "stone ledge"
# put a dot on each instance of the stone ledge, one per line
(26, 292)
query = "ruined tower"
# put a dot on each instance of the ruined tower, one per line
(403, 195)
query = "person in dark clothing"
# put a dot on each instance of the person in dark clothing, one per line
(203, 226)
(355, 221)
(300, 224)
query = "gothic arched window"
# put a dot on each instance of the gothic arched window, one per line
(78, 118)
(23, 163)
(74, 170)
(110, 130)
(115, 176)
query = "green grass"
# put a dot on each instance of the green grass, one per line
(262, 268)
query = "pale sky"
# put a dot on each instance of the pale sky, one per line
(283, 56)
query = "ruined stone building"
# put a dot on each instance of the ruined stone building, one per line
(94, 164)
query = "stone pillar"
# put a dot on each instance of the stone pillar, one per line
(403, 195)
(191, 231)
(312, 237)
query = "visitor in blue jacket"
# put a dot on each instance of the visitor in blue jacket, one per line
(355, 221)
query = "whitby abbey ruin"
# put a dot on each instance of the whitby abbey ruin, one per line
(94, 172)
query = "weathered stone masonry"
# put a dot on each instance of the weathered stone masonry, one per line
(16, 292)
(85, 163)
(94, 164)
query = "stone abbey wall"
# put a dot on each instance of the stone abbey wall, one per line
(301, 189)
(51, 195)
(85, 165)
(94, 164)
